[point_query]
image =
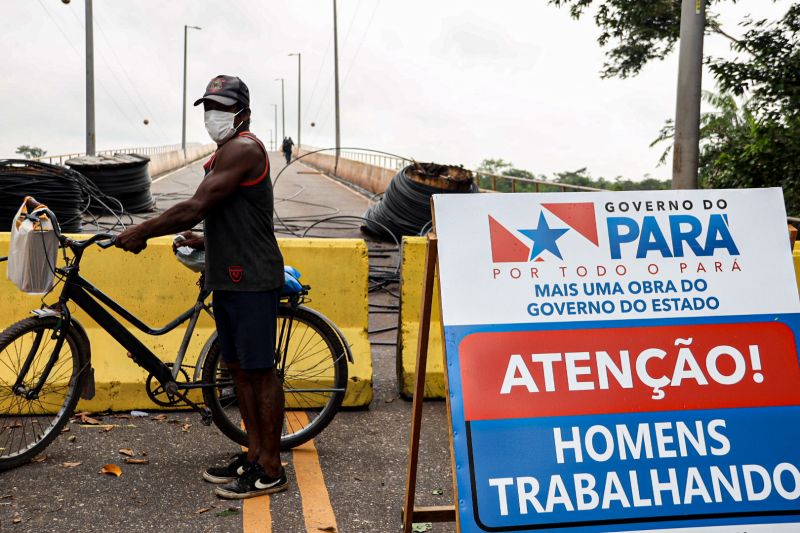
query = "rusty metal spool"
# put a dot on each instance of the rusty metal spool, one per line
(405, 206)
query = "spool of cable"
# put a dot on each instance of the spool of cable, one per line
(64, 191)
(405, 206)
(122, 176)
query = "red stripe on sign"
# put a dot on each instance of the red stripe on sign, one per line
(597, 371)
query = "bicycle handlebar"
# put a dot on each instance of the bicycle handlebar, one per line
(32, 204)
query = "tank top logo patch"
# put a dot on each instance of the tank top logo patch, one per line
(236, 273)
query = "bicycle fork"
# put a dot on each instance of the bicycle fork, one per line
(19, 388)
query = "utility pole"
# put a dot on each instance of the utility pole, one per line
(299, 81)
(275, 106)
(185, 41)
(336, 84)
(686, 152)
(283, 109)
(91, 137)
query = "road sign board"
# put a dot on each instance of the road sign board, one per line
(622, 362)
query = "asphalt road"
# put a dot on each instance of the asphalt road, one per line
(360, 481)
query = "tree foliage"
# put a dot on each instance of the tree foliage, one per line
(502, 170)
(30, 152)
(751, 138)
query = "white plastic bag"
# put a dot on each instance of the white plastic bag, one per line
(33, 251)
(194, 260)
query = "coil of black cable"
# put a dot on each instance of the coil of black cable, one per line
(122, 176)
(61, 189)
(405, 207)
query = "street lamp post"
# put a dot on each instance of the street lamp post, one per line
(299, 81)
(183, 128)
(90, 131)
(686, 152)
(275, 107)
(336, 84)
(283, 109)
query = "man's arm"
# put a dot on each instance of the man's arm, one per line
(234, 164)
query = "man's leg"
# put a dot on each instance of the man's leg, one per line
(269, 399)
(246, 397)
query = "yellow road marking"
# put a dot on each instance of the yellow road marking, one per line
(317, 510)
(256, 514)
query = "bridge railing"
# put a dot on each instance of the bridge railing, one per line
(147, 150)
(486, 181)
(375, 159)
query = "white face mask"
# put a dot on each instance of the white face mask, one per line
(219, 125)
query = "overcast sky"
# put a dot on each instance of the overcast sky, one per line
(452, 81)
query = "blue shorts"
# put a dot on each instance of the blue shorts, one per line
(246, 326)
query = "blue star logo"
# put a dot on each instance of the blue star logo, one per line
(544, 238)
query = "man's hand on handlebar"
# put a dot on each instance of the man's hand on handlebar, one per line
(132, 240)
(192, 240)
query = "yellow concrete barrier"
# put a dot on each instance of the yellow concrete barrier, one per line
(156, 288)
(411, 279)
(796, 257)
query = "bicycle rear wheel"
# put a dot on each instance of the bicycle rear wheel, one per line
(27, 426)
(312, 365)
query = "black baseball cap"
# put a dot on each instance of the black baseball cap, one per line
(226, 90)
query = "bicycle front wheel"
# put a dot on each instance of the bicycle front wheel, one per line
(28, 421)
(312, 366)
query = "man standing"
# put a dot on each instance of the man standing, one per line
(244, 268)
(287, 149)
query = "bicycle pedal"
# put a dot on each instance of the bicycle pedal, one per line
(205, 417)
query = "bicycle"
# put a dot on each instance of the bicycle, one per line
(39, 388)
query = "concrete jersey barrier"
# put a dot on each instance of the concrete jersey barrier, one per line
(412, 277)
(156, 288)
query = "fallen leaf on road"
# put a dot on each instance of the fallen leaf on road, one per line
(327, 528)
(39, 458)
(227, 512)
(106, 429)
(6, 496)
(126, 451)
(159, 418)
(17, 519)
(137, 461)
(203, 510)
(111, 469)
(85, 419)
(71, 465)
(186, 427)
(422, 527)
(437, 492)
(65, 429)
(72, 438)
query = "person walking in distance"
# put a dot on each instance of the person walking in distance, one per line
(244, 269)
(287, 149)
